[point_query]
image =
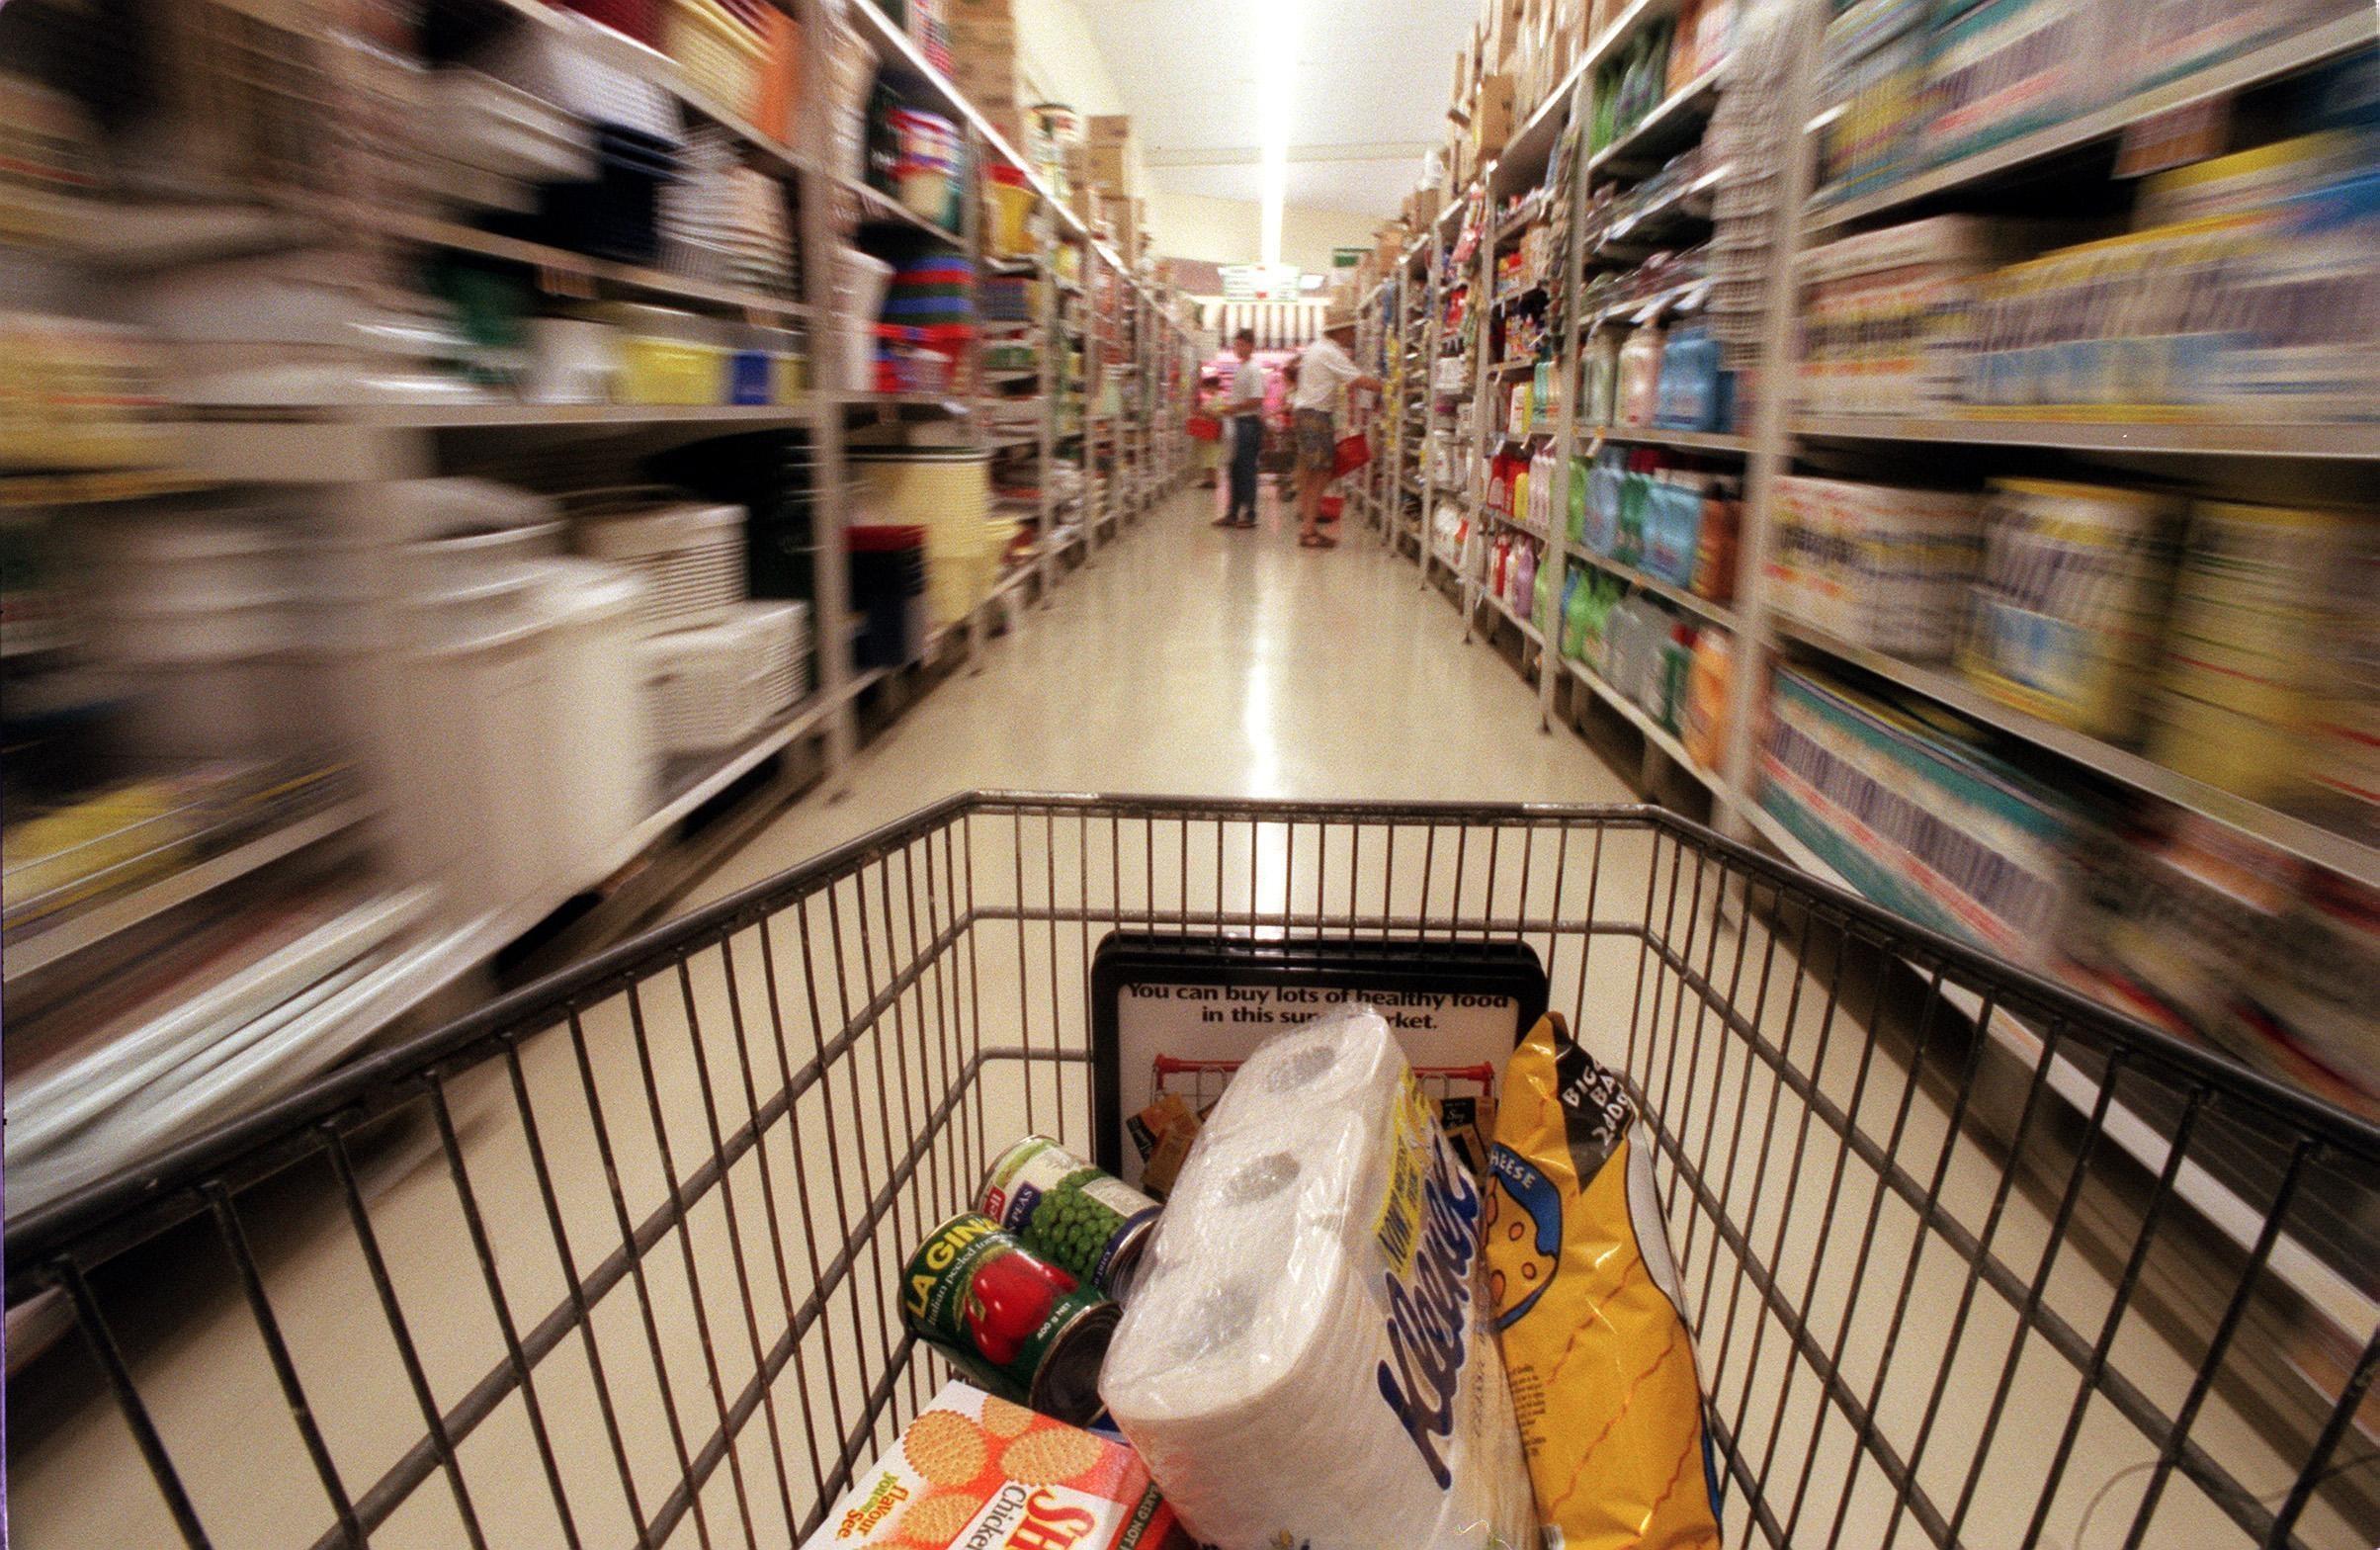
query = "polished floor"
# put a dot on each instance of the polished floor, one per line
(1190, 660)
(656, 1236)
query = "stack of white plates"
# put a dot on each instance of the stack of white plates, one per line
(559, 64)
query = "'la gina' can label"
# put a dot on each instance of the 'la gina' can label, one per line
(1008, 1319)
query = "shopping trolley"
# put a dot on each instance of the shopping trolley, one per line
(1969, 1259)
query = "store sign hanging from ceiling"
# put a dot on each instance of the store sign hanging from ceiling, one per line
(1257, 283)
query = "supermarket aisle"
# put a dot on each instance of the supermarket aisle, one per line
(1191, 661)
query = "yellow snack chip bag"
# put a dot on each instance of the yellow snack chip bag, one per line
(1586, 1298)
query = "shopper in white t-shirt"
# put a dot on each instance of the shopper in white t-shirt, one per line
(1325, 373)
(1243, 408)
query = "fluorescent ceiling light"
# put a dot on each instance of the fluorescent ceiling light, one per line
(1276, 84)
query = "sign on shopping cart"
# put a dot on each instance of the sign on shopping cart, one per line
(1174, 1016)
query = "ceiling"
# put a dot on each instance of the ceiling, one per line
(1370, 84)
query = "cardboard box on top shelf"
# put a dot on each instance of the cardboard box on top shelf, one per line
(961, 13)
(1506, 21)
(1108, 128)
(1110, 169)
(1493, 119)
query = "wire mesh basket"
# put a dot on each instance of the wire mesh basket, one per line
(613, 1260)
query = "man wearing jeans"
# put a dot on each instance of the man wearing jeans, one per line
(1244, 405)
(1325, 373)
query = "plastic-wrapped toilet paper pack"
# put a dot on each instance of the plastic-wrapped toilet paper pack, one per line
(1308, 1359)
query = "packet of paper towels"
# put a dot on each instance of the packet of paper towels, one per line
(1307, 1361)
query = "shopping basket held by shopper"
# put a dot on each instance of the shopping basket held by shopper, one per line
(1325, 373)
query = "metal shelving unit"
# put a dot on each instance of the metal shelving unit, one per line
(339, 454)
(1774, 438)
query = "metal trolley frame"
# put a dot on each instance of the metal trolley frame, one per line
(614, 1259)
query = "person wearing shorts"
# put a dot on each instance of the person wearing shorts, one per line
(1325, 373)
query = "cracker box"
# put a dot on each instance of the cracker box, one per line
(978, 1471)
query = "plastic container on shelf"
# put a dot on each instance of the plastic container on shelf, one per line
(720, 54)
(888, 590)
(560, 65)
(605, 767)
(779, 634)
(861, 281)
(701, 687)
(947, 490)
(202, 624)
(668, 356)
(479, 772)
(689, 553)
(573, 360)
(1008, 201)
(1638, 395)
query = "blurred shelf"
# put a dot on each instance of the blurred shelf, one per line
(156, 236)
(1788, 844)
(1702, 608)
(1654, 731)
(1521, 524)
(646, 64)
(325, 446)
(39, 949)
(1528, 631)
(2174, 437)
(95, 487)
(2346, 1308)
(2308, 841)
(2285, 56)
(1673, 125)
(1667, 211)
(1683, 441)
(690, 782)
(457, 237)
(882, 211)
(902, 400)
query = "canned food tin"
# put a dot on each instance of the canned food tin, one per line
(1066, 1210)
(1012, 1322)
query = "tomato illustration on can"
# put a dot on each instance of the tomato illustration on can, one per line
(1007, 1318)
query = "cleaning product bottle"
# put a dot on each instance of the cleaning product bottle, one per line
(1641, 376)
(1544, 605)
(1576, 599)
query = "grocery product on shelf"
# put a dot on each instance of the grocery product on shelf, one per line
(1275, 1277)
(1889, 318)
(1703, 722)
(1905, 803)
(2265, 602)
(2070, 602)
(1882, 567)
(2199, 930)
(974, 1469)
(1585, 1296)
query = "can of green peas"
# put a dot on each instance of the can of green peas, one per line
(1071, 1213)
